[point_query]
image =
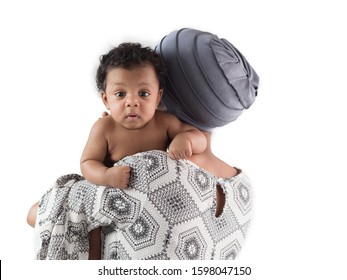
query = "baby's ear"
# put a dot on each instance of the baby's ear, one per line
(104, 99)
(160, 95)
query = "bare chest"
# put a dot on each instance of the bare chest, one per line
(126, 144)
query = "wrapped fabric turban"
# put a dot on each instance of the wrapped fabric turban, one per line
(209, 81)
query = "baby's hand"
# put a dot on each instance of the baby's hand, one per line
(118, 176)
(180, 148)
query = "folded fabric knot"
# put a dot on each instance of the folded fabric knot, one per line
(209, 81)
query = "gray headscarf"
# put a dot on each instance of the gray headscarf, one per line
(209, 81)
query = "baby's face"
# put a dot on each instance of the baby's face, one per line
(132, 95)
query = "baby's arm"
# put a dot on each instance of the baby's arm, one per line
(186, 139)
(92, 160)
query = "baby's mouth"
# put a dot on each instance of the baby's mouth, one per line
(132, 116)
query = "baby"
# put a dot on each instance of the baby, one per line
(130, 79)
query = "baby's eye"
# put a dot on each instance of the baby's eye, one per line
(143, 94)
(120, 94)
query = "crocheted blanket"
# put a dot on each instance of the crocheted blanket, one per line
(167, 212)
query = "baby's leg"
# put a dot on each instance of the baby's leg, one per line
(31, 218)
(95, 244)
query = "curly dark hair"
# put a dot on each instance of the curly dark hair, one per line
(128, 55)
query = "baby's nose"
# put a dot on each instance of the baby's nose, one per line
(132, 101)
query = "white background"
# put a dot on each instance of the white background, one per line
(291, 142)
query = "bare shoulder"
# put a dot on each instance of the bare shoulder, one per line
(165, 115)
(172, 122)
(165, 119)
(214, 165)
(103, 125)
(225, 170)
(104, 122)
